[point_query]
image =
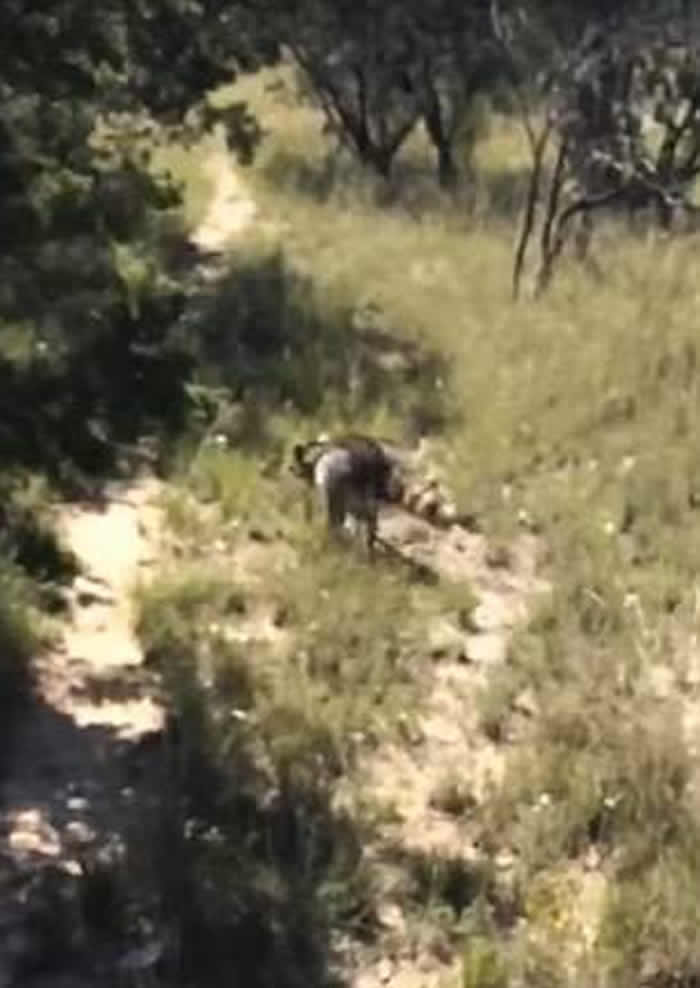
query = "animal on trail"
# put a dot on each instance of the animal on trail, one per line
(352, 475)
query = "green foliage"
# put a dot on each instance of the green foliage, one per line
(648, 928)
(297, 347)
(484, 966)
(574, 419)
(376, 70)
(19, 642)
(88, 287)
(263, 862)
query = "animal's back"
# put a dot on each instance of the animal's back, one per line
(371, 467)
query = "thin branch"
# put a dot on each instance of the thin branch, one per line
(553, 199)
(587, 204)
(524, 109)
(533, 193)
(674, 132)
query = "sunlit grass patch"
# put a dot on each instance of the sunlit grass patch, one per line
(188, 168)
(649, 923)
(246, 804)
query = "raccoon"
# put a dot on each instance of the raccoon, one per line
(353, 474)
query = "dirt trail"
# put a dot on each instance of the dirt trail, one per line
(445, 744)
(68, 791)
(231, 210)
(115, 546)
(450, 744)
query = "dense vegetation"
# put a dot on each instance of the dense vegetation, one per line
(410, 159)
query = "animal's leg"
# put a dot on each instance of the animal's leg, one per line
(333, 494)
(371, 529)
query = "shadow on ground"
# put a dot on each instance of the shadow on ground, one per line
(176, 858)
(81, 412)
(261, 332)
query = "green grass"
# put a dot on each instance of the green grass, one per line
(576, 416)
(265, 729)
(34, 565)
(20, 640)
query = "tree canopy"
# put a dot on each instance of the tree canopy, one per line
(83, 272)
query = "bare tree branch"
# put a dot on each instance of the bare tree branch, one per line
(533, 193)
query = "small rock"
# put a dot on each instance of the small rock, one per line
(142, 958)
(441, 949)
(498, 557)
(526, 703)
(447, 513)
(78, 832)
(409, 730)
(235, 635)
(391, 916)
(385, 970)
(26, 841)
(77, 804)
(526, 521)
(486, 649)
(280, 616)
(34, 835)
(627, 463)
(661, 680)
(592, 860)
(491, 612)
(504, 860)
(446, 642)
(86, 593)
(28, 819)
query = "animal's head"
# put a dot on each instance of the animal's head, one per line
(304, 458)
(298, 466)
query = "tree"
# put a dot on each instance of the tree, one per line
(358, 62)
(616, 110)
(377, 69)
(85, 286)
(453, 57)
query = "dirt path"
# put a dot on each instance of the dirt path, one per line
(231, 210)
(447, 750)
(68, 790)
(115, 547)
(68, 793)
